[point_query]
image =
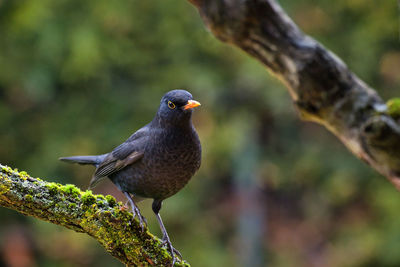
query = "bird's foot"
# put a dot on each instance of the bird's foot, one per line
(142, 220)
(136, 211)
(173, 251)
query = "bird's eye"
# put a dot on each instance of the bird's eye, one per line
(171, 105)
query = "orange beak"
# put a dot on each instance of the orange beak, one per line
(191, 104)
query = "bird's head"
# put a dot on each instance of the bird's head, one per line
(176, 107)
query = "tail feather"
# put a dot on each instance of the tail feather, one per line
(92, 160)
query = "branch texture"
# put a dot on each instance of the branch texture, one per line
(323, 89)
(100, 217)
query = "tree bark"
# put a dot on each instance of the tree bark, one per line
(323, 89)
(100, 217)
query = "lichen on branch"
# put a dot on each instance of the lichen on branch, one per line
(101, 217)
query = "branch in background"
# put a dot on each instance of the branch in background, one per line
(323, 89)
(100, 217)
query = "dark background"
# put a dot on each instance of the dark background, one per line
(78, 77)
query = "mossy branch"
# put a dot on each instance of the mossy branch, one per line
(100, 217)
(323, 89)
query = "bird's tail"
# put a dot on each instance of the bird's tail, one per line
(92, 160)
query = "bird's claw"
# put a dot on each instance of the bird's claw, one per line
(142, 220)
(173, 251)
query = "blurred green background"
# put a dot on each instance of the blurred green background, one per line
(78, 77)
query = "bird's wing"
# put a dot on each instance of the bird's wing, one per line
(125, 154)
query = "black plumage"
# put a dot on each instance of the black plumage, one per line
(157, 160)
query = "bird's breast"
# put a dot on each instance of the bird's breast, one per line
(177, 155)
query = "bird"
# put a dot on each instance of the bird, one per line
(156, 161)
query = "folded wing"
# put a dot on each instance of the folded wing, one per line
(125, 154)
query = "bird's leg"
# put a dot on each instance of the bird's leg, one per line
(165, 238)
(166, 241)
(136, 211)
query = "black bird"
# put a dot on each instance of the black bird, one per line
(156, 161)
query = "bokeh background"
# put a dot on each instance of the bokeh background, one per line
(78, 77)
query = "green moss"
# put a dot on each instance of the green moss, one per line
(88, 198)
(6, 169)
(5, 183)
(23, 175)
(71, 189)
(28, 198)
(4, 189)
(394, 107)
(111, 200)
(100, 198)
(53, 188)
